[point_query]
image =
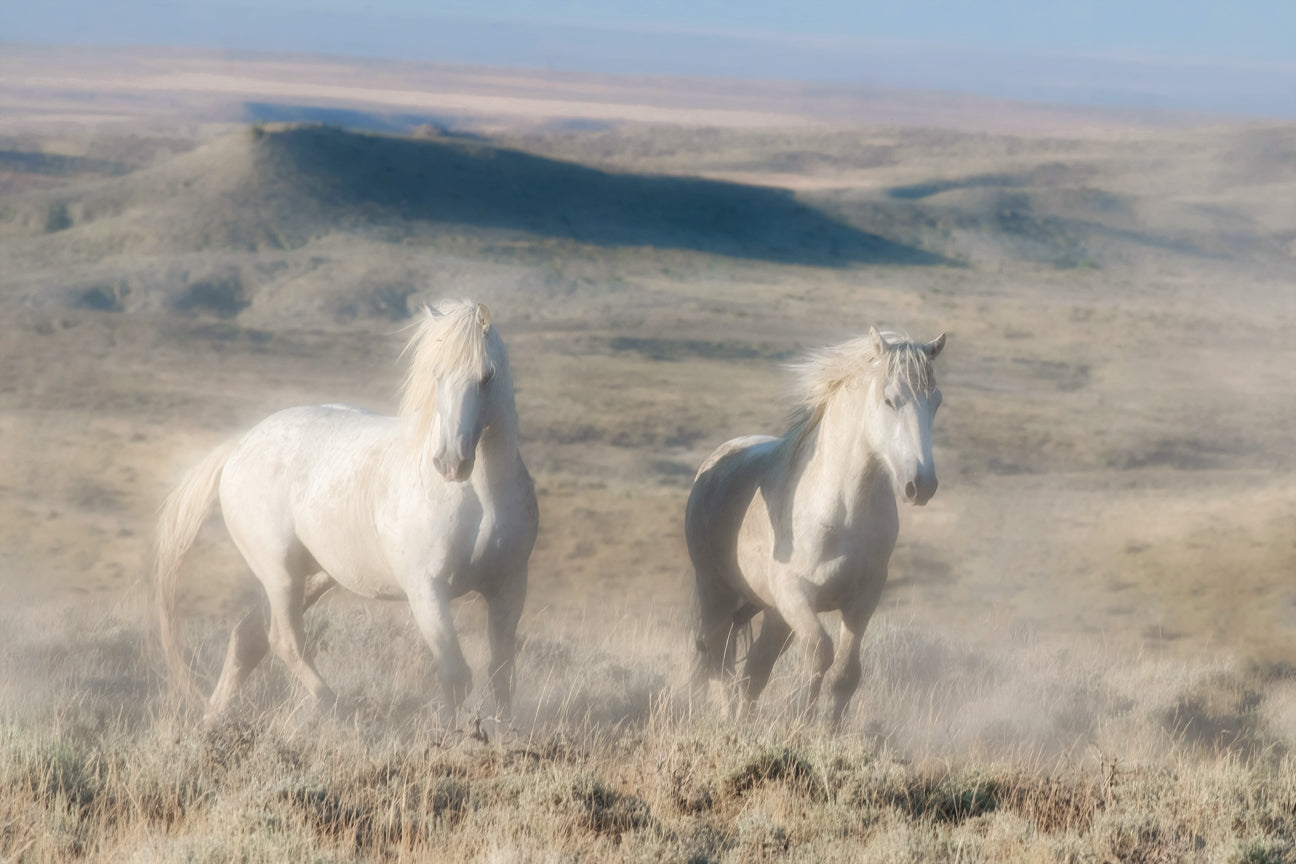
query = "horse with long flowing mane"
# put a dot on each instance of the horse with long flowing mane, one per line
(424, 507)
(793, 526)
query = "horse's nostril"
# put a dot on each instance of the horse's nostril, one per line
(911, 491)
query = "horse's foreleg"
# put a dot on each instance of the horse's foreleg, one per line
(249, 642)
(431, 608)
(844, 676)
(763, 654)
(504, 608)
(799, 612)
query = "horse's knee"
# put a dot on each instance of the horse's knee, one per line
(285, 646)
(847, 682)
(843, 687)
(250, 642)
(822, 656)
(275, 639)
(712, 647)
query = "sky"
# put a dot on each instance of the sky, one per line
(1235, 58)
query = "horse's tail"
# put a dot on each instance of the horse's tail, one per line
(179, 520)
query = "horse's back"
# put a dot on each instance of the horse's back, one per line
(297, 478)
(294, 443)
(722, 493)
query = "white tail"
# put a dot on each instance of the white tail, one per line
(179, 520)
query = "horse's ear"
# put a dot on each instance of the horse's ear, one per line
(483, 316)
(933, 348)
(876, 342)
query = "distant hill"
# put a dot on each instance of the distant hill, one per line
(1118, 199)
(317, 220)
(268, 190)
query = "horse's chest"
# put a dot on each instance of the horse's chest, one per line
(836, 581)
(490, 548)
(500, 545)
(843, 559)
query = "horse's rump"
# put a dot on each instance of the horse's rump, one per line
(722, 493)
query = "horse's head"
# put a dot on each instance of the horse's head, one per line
(902, 404)
(456, 385)
(462, 416)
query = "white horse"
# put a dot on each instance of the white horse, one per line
(424, 507)
(806, 523)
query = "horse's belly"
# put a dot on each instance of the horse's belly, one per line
(365, 582)
(355, 563)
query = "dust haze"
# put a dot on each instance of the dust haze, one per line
(1108, 571)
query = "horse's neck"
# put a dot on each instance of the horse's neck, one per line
(839, 471)
(497, 452)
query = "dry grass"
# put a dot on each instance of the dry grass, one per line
(1024, 751)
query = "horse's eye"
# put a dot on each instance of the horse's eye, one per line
(890, 404)
(490, 376)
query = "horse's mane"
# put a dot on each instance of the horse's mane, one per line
(453, 338)
(824, 373)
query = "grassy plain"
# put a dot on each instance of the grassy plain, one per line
(1086, 649)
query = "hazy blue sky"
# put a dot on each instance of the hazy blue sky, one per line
(1238, 57)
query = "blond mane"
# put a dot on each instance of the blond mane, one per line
(855, 363)
(454, 339)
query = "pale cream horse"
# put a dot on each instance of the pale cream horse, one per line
(794, 526)
(421, 507)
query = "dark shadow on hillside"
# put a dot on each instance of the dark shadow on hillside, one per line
(465, 183)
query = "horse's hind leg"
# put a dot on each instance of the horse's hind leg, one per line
(717, 639)
(504, 608)
(249, 642)
(764, 652)
(247, 645)
(287, 637)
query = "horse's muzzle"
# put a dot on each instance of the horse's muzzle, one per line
(919, 493)
(454, 470)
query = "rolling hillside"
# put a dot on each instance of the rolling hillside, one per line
(282, 217)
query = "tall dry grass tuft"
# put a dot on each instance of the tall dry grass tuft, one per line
(955, 752)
